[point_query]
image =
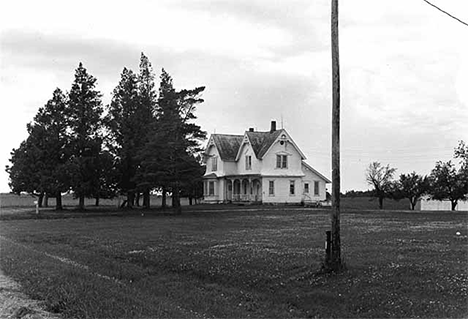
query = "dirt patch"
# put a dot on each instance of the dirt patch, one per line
(15, 304)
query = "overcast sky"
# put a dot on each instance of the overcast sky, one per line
(404, 70)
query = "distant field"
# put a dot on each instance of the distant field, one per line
(373, 203)
(239, 262)
(12, 200)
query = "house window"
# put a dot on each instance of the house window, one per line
(281, 161)
(214, 163)
(316, 188)
(211, 189)
(306, 188)
(292, 187)
(248, 162)
(271, 188)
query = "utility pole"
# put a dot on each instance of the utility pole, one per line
(333, 258)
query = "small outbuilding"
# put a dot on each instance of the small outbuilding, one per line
(425, 203)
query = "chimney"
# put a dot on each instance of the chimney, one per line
(273, 126)
(251, 129)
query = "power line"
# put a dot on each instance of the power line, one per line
(453, 17)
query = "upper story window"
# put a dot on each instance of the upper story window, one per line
(248, 162)
(281, 161)
(316, 188)
(214, 163)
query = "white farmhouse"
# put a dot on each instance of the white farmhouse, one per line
(260, 167)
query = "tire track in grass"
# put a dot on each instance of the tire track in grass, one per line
(67, 261)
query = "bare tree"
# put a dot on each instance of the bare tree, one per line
(381, 178)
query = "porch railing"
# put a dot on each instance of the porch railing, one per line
(245, 198)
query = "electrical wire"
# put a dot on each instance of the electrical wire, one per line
(453, 17)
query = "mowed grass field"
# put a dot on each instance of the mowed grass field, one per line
(239, 262)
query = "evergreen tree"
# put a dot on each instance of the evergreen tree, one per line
(23, 171)
(129, 122)
(84, 119)
(40, 164)
(168, 156)
(123, 126)
(146, 115)
(52, 140)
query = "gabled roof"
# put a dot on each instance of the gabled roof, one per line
(267, 144)
(262, 141)
(227, 145)
(316, 172)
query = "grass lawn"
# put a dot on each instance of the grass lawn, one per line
(241, 262)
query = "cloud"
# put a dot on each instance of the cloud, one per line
(56, 52)
(148, 23)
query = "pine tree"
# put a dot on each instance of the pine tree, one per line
(146, 115)
(52, 139)
(40, 164)
(168, 156)
(123, 129)
(129, 120)
(23, 171)
(84, 119)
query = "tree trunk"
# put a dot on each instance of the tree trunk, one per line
(124, 203)
(81, 202)
(413, 203)
(46, 200)
(381, 202)
(40, 198)
(163, 199)
(97, 201)
(146, 198)
(454, 204)
(58, 201)
(137, 199)
(130, 199)
(190, 199)
(176, 199)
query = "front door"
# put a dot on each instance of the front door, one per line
(257, 190)
(228, 190)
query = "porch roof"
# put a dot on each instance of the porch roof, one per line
(212, 175)
(232, 177)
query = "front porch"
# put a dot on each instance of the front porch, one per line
(245, 190)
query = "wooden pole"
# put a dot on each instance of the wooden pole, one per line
(334, 261)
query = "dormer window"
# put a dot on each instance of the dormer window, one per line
(281, 161)
(214, 163)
